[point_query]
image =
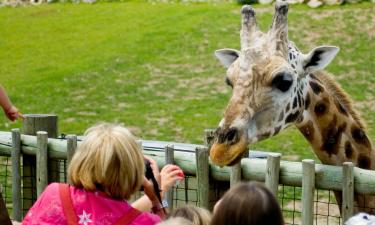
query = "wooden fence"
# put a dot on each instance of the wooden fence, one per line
(194, 160)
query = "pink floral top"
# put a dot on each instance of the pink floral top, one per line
(92, 208)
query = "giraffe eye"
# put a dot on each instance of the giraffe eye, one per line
(282, 81)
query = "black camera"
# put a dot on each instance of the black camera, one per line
(148, 170)
(150, 176)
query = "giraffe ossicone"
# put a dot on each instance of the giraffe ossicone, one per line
(274, 86)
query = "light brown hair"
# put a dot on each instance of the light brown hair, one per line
(248, 204)
(198, 216)
(109, 160)
(176, 221)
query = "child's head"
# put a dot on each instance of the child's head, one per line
(248, 203)
(110, 160)
(198, 216)
(176, 221)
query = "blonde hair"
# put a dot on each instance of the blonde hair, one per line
(110, 160)
(198, 216)
(176, 221)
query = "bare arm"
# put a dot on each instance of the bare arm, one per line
(9, 109)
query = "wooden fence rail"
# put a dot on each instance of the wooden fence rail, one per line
(194, 160)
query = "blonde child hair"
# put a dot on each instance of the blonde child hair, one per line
(176, 221)
(110, 160)
(198, 216)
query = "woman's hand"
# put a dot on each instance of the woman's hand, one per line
(170, 174)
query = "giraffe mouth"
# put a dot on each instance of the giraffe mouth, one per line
(224, 154)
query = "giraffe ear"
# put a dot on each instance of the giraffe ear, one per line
(227, 56)
(319, 58)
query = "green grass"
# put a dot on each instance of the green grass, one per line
(151, 66)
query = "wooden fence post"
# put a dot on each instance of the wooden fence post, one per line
(308, 189)
(202, 172)
(235, 174)
(347, 190)
(41, 162)
(169, 159)
(31, 124)
(71, 142)
(16, 175)
(273, 172)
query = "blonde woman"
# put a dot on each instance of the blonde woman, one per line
(105, 171)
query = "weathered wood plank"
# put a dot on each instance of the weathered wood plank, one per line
(203, 170)
(16, 175)
(169, 159)
(70, 148)
(308, 189)
(41, 163)
(347, 190)
(273, 172)
(235, 174)
(327, 177)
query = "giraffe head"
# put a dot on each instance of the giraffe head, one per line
(267, 79)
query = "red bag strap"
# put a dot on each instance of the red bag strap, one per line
(128, 217)
(67, 204)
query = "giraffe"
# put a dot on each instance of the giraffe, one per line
(274, 86)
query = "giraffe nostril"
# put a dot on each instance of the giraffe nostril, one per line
(232, 135)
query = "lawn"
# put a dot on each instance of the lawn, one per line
(151, 66)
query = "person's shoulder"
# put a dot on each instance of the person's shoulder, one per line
(146, 219)
(52, 188)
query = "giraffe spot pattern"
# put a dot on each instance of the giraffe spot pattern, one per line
(294, 103)
(348, 150)
(331, 137)
(317, 88)
(321, 107)
(287, 107)
(292, 117)
(281, 116)
(359, 136)
(308, 131)
(364, 161)
(307, 101)
(340, 107)
(264, 136)
(277, 130)
(312, 76)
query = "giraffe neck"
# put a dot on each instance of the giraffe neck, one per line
(331, 126)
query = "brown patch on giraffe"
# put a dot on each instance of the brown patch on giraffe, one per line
(307, 101)
(364, 161)
(308, 131)
(312, 76)
(287, 107)
(292, 117)
(331, 136)
(295, 103)
(264, 136)
(317, 88)
(321, 107)
(340, 107)
(281, 116)
(348, 150)
(359, 136)
(277, 130)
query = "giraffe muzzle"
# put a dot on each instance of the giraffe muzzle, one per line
(229, 146)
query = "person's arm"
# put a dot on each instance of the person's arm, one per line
(9, 109)
(169, 175)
